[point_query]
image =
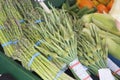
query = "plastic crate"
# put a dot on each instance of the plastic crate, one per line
(8, 65)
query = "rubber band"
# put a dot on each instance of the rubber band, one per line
(74, 65)
(38, 42)
(50, 58)
(78, 69)
(22, 21)
(62, 70)
(38, 21)
(86, 78)
(7, 43)
(15, 42)
(33, 57)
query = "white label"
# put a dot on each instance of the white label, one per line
(113, 66)
(105, 74)
(0, 75)
(79, 70)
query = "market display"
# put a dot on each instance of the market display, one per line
(49, 41)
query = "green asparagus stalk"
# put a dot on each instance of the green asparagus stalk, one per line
(52, 72)
(93, 49)
(7, 20)
(41, 65)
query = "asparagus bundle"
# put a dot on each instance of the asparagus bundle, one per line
(94, 54)
(21, 51)
(35, 61)
(53, 34)
(60, 41)
(34, 17)
(107, 29)
(12, 32)
(30, 19)
(93, 50)
(9, 35)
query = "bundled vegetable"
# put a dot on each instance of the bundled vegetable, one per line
(21, 49)
(53, 40)
(94, 51)
(59, 41)
(34, 18)
(107, 31)
(46, 42)
(9, 35)
(35, 61)
(94, 54)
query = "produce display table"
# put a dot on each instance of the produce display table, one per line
(79, 64)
